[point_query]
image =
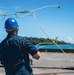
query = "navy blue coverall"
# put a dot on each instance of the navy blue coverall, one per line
(14, 55)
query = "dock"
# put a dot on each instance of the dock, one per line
(51, 63)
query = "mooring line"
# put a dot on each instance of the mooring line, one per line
(52, 40)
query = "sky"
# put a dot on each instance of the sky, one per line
(55, 22)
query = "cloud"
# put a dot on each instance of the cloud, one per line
(70, 39)
(17, 7)
(1, 12)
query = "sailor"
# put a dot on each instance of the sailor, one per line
(15, 50)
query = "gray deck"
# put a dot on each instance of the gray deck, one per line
(51, 64)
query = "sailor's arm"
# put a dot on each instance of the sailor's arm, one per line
(32, 50)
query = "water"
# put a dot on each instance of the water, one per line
(55, 47)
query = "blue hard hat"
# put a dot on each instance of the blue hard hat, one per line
(11, 23)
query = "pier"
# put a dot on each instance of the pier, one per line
(51, 63)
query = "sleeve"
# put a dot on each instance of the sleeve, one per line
(0, 52)
(30, 47)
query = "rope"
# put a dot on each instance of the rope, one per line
(32, 12)
(52, 40)
(43, 7)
